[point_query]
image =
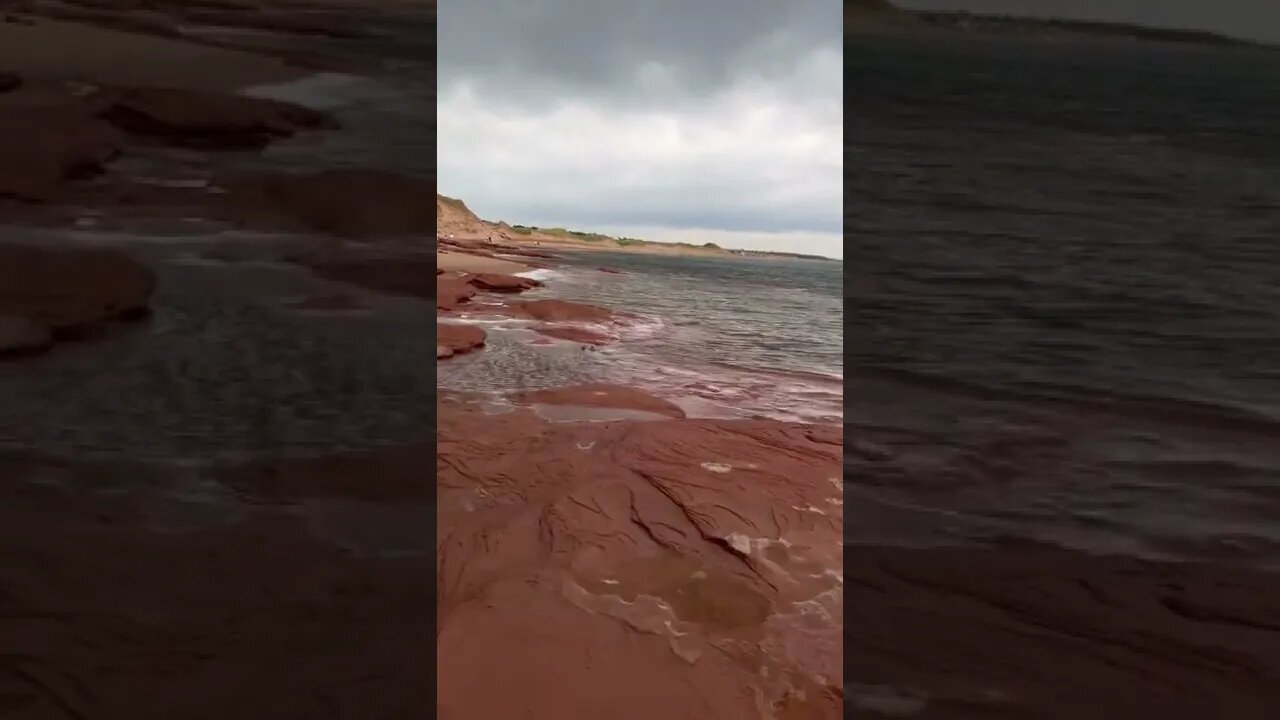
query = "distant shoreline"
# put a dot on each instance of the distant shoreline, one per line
(655, 247)
(892, 20)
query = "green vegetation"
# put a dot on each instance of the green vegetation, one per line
(711, 246)
(577, 235)
(626, 241)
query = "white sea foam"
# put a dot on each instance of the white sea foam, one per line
(539, 274)
(324, 91)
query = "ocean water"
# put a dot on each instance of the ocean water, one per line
(721, 337)
(227, 366)
(1063, 297)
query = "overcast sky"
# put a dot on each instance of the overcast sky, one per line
(715, 120)
(1255, 19)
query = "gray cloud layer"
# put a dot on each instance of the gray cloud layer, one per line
(716, 114)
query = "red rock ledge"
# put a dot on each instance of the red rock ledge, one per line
(637, 570)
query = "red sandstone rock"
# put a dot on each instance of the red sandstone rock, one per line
(23, 336)
(696, 559)
(574, 334)
(206, 119)
(603, 396)
(328, 302)
(494, 282)
(456, 339)
(1036, 632)
(562, 311)
(330, 26)
(70, 291)
(348, 203)
(327, 632)
(412, 275)
(452, 289)
(44, 146)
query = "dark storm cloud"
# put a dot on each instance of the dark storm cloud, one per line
(707, 115)
(1254, 19)
(599, 47)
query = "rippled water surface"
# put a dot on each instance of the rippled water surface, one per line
(226, 365)
(723, 337)
(1064, 296)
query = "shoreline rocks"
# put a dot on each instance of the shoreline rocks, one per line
(206, 120)
(562, 311)
(618, 397)
(345, 203)
(498, 283)
(68, 293)
(456, 339)
(677, 554)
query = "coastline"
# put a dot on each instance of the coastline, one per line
(671, 545)
(236, 532)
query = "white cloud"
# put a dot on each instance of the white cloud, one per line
(754, 159)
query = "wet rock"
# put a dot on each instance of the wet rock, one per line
(455, 339)
(412, 276)
(329, 303)
(682, 555)
(494, 282)
(71, 291)
(562, 311)
(348, 581)
(603, 396)
(390, 476)
(43, 147)
(611, 271)
(347, 203)
(23, 336)
(313, 24)
(1036, 631)
(575, 334)
(130, 19)
(206, 119)
(452, 289)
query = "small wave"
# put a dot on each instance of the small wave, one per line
(324, 91)
(641, 327)
(539, 274)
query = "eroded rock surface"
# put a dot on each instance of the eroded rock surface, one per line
(44, 145)
(121, 602)
(347, 203)
(455, 339)
(205, 119)
(562, 311)
(23, 336)
(71, 291)
(1028, 631)
(452, 289)
(495, 282)
(412, 275)
(698, 559)
(603, 396)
